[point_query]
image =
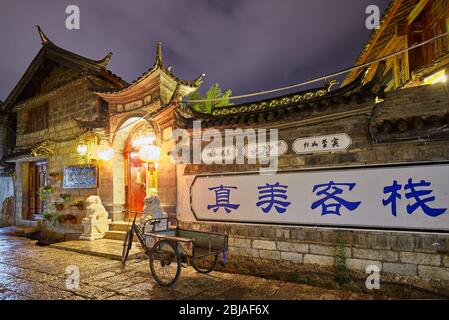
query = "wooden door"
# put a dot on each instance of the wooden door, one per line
(137, 176)
(33, 194)
(37, 180)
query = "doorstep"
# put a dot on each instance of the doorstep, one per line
(107, 248)
(17, 231)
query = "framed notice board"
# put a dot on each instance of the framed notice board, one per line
(80, 177)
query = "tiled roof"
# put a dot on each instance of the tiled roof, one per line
(51, 51)
(158, 65)
(275, 109)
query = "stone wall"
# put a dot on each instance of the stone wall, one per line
(6, 191)
(405, 253)
(75, 100)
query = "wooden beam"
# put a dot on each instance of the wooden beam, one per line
(417, 11)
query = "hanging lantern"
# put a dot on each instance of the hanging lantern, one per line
(82, 149)
(143, 140)
(104, 152)
(150, 153)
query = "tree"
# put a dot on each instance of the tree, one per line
(214, 92)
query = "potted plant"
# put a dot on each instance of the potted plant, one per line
(48, 216)
(65, 197)
(61, 218)
(45, 193)
(79, 205)
(56, 176)
(70, 218)
(52, 217)
(59, 206)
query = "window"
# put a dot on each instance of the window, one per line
(37, 119)
(431, 22)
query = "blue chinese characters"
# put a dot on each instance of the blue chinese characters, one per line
(273, 195)
(330, 202)
(222, 194)
(415, 191)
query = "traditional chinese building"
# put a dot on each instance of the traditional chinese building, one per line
(404, 24)
(361, 171)
(44, 107)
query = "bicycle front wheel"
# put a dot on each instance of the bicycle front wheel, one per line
(127, 244)
(165, 263)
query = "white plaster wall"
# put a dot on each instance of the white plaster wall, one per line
(6, 188)
(183, 209)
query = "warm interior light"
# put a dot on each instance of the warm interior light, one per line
(437, 77)
(81, 149)
(105, 152)
(150, 153)
(143, 141)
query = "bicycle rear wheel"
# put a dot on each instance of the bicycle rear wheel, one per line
(205, 264)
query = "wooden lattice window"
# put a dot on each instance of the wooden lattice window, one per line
(431, 22)
(37, 119)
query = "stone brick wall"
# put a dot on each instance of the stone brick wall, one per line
(405, 253)
(75, 100)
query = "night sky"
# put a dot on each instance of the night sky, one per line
(245, 45)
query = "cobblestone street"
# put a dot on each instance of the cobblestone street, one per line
(28, 271)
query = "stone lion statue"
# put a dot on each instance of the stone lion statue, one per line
(152, 210)
(95, 209)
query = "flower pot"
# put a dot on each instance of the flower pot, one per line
(70, 218)
(65, 197)
(56, 176)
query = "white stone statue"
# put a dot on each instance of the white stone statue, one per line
(96, 222)
(152, 210)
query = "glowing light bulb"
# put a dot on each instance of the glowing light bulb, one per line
(105, 152)
(81, 149)
(150, 153)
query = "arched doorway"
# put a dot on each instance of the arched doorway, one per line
(140, 175)
(133, 178)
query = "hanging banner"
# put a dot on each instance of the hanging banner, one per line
(395, 197)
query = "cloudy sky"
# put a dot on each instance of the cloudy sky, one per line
(245, 45)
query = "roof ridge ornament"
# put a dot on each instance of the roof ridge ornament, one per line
(44, 39)
(159, 59)
(106, 59)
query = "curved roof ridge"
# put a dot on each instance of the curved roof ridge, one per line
(46, 42)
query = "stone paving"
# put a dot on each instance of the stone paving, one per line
(28, 271)
(102, 248)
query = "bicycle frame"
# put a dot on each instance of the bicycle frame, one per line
(140, 232)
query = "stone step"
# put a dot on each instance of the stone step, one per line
(120, 226)
(117, 235)
(103, 248)
(18, 231)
